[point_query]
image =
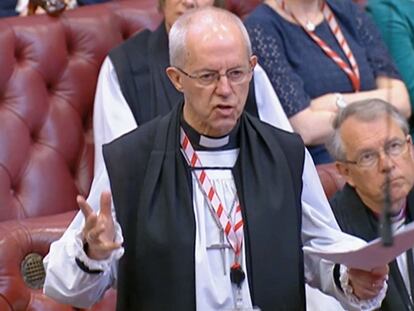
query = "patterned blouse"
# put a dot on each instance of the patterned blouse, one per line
(300, 71)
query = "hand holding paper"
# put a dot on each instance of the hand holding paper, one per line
(367, 284)
(373, 254)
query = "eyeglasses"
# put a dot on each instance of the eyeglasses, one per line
(370, 158)
(235, 76)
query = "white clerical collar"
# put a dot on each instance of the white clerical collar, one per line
(213, 142)
(206, 143)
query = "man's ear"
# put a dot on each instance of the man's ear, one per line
(343, 169)
(253, 61)
(410, 146)
(175, 77)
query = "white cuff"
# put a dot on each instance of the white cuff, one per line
(76, 251)
(367, 304)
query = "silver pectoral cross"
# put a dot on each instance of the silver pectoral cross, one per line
(222, 248)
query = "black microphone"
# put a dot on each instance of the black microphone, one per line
(385, 227)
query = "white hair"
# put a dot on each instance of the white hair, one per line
(366, 111)
(205, 17)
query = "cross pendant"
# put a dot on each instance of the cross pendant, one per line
(222, 248)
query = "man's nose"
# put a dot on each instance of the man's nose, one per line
(223, 86)
(385, 162)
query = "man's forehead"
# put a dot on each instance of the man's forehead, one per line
(206, 31)
(216, 48)
(360, 134)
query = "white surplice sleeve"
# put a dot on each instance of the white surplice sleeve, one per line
(65, 281)
(319, 227)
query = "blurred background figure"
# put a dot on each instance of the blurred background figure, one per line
(395, 20)
(30, 7)
(8, 8)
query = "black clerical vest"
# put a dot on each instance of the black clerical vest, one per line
(151, 187)
(354, 217)
(140, 64)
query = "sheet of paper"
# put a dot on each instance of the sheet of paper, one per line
(373, 254)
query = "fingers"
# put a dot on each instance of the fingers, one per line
(381, 271)
(92, 234)
(84, 206)
(98, 231)
(364, 293)
(106, 204)
(100, 246)
(368, 284)
(365, 289)
(105, 247)
(90, 217)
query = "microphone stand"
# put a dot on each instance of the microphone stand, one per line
(385, 220)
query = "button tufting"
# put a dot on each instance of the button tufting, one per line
(18, 53)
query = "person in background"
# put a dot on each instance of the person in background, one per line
(373, 152)
(316, 67)
(395, 20)
(197, 193)
(8, 8)
(21, 7)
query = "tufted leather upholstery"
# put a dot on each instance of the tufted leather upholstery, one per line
(330, 178)
(47, 83)
(27, 236)
(48, 72)
(18, 239)
(242, 7)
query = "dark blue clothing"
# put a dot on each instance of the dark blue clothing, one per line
(8, 8)
(300, 71)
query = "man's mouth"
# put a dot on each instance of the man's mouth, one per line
(226, 109)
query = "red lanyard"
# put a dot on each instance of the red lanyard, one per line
(351, 71)
(234, 233)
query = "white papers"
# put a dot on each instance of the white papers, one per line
(373, 254)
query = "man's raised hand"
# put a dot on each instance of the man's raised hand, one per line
(99, 230)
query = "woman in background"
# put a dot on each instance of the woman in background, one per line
(313, 74)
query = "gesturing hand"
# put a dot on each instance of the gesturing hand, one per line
(99, 230)
(367, 284)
